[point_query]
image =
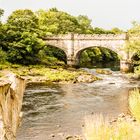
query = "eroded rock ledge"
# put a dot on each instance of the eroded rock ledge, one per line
(11, 96)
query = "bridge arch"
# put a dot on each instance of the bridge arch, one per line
(79, 52)
(58, 52)
(59, 46)
(112, 48)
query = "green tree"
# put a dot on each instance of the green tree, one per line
(1, 26)
(135, 30)
(3, 55)
(26, 49)
(22, 40)
(117, 31)
(84, 25)
(97, 30)
(23, 20)
(134, 33)
(54, 21)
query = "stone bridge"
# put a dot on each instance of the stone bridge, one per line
(74, 44)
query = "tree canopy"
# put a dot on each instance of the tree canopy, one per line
(21, 40)
(54, 21)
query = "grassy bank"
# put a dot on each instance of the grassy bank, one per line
(41, 73)
(125, 128)
(134, 103)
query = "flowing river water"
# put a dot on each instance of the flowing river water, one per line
(52, 112)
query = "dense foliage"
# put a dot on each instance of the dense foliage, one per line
(134, 33)
(57, 22)
(54, 21)
(21, 37)
(51, 55)
(3, 55)
(134, 45)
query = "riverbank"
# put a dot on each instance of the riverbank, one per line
(57, 111)
(122, 128)
(42, 74)
(57, 74)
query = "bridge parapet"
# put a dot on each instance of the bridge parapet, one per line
(134, 37)
(99, 37)
(59, 37)
(87, 37)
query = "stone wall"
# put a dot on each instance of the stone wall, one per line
(11, 96)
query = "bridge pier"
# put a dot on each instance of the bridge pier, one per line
(126, 66)
(71, 62)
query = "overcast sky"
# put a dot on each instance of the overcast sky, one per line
(104, 13)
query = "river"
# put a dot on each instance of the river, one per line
(52, 112)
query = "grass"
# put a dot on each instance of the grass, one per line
(45, 74)
(98, 128)
(134, 103)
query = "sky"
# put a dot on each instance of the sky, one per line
(105, 14)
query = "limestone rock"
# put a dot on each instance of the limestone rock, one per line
(11, 96)
(86, 78)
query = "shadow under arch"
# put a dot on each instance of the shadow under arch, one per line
(57, 52)
(98, 57)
